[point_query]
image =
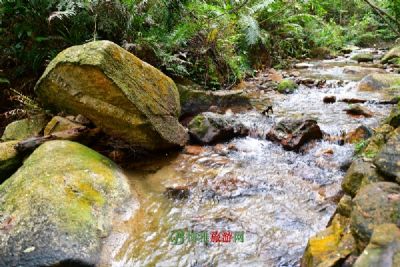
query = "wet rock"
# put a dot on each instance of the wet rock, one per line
(353, 100)
(321, 53)
(60, 124)
(275, 76)
(124, 96)
(375, 204)
(22, 129)
(194, 100)
(394, 53)
(349, 49)
(394, 117)
(360, 174)
(286, 87)
(388, 159)
(55, 211)
(361, 133)
(193, 150)
(330, 246)
(363, 57)
(303, 65)
(177, 192)
(384, 248)
(9, 159)
(358, 110)
(209, 128)
(329, 99)
(292, 134)
(362, 71)
(345, 206)
(378, 81)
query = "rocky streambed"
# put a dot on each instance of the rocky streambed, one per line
(261, 176)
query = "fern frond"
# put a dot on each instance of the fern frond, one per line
(250, 28)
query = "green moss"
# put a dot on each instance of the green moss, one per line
(286, 86)
(199, 125)
(363, 57)
(22, 129)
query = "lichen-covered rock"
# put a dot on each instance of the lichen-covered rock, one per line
(375, 204)
(124, 96)
(287, 86)
(329, 246)
(194, 100)
(292, 134)
(23, 129)
(360, 173)
(378, 81)
(363, 57)
(345, 206)
(392, 54)
(9, 159)
(376, 142)
(209, 128)
(58, 206)
(384, 248)
(60, 124)
(388, 159)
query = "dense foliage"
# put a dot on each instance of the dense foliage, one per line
(215, 43)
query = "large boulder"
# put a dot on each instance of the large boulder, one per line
(392, 54)
(375, 204)
(58, 206)
(292, 134)
(379, 81)
(210, 128)
(25, 128)
(194, 100)
(388, 159)
(384, 248)
(363, 57)
(124, 96)
(9, 159)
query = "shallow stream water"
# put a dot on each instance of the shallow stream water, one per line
(277, 199)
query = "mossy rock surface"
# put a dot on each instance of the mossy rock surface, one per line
(379, 81)
(330, 246)
(58, 206)
(9, 159)
(26, 128)
(124, 96)
(392, 54)
(383, 249)
(388, 159)
(60, 124)
(375, 204)
(363, 57)
(287, 86)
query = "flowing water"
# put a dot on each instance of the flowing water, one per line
(277, 199)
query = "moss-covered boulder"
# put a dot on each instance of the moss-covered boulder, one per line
(321, 53)
(210, 128)
(124, 96)
(58, 206)
(330, 246)
(375, 204)
(286, 86)
(26, 128)
(363, 57)
(359, 174)
(388, 159)
(379, 81)
(383, 249)
(9, 159)
(60, 124)
(394, 117)
(392, 54)
(194, 100)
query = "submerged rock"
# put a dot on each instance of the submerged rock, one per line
(388, 159)
(375, 204)
(26, 128)
(393, 53)
(194, 100)
(384, 248)
(9, 159)
(379, 81)
(58, 206)
(363, 57)
(292, 134)
(209, 128)
(124, 96)
(358, 110)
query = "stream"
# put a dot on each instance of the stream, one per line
(266, 200)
